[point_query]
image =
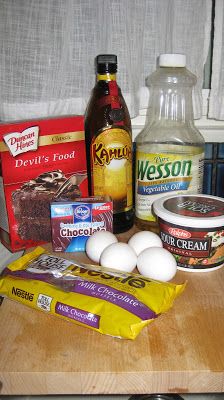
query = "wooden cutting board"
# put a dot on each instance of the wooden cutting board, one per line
(182, 351)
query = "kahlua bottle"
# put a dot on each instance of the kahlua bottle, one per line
(109, 143)
(170, 149)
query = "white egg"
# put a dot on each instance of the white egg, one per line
(97, 242)
(144, 239)
(119, 256)
(157, 263)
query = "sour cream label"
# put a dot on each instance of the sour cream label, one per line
(192, 229)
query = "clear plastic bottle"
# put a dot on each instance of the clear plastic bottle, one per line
(170, 149)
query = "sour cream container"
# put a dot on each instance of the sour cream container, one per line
(192, 229)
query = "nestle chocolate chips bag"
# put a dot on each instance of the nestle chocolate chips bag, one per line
(114, 303)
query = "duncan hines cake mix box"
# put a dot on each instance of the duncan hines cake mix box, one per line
(41, 161)
(73, 223)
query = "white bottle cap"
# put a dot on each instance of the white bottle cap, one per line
(172, 60)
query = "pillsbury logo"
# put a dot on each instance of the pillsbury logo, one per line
(82, 212)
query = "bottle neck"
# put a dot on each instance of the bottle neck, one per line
(172, 105)
(106, 77)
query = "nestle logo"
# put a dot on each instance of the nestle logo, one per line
(21, 142)
(22, 293)
(179, 233)
(82, 212)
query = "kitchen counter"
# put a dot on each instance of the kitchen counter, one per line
(180, 352)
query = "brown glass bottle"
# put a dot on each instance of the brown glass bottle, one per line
(109, 143)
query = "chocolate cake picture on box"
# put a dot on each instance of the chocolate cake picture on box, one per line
(31, 203)
(42, 161)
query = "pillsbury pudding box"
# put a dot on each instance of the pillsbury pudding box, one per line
(74, 222)
(41, 161)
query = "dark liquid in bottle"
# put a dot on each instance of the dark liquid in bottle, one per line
(107, 116)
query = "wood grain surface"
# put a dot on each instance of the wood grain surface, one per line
(181, 352)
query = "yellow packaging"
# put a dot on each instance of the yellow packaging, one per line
(111, 302)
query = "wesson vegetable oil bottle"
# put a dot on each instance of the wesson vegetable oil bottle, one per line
(109, 143)
(169, 150)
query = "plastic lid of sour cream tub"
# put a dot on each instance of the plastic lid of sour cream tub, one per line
(196, 211)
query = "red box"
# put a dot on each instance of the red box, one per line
(41, 161)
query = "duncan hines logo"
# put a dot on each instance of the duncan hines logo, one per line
(179, 233)
(21, 142)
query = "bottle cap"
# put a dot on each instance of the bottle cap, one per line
(106, 63)
(172, 60)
